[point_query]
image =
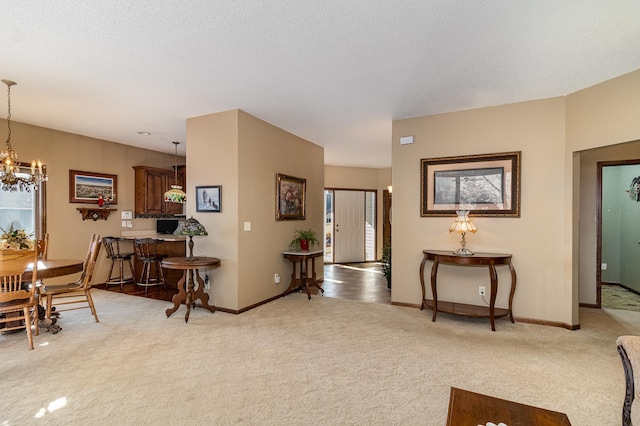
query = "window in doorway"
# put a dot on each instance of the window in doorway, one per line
(328, 226)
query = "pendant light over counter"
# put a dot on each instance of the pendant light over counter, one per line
(175, 194)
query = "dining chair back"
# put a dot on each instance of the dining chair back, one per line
(118, 256)
(17, 298)
(77, 292)
(43, 247)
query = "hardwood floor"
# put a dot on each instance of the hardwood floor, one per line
(355, 281)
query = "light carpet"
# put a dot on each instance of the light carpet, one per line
(295, 362)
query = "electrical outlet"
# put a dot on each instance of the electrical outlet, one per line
(276, 278)
(207, 285)
(482, 290)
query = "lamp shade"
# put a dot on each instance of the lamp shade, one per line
(190, 227)
(463, 224)
(175, 195)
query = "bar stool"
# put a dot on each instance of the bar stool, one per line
(112, 246)
(146, 252)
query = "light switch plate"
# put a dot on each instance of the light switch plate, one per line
(247, 226)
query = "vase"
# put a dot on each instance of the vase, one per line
(304, 245)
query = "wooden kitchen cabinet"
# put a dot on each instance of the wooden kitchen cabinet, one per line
(150, 185)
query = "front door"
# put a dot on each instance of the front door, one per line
(349, 233)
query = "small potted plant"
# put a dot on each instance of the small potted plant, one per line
(302, 238)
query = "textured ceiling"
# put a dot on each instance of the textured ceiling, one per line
(335, 72)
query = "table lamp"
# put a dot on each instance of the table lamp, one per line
(190, 227)
(463, 225)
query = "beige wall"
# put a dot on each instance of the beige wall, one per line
(61, 152)
(553, 242)
(338, 177)
(588, 214)
(535, 239)
(212, 159)
(603, 115)
(243, 154)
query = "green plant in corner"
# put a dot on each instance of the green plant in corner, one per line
(386, 264)
(302, 238)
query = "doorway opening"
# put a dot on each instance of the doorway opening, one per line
(618, 233)
(350, 226)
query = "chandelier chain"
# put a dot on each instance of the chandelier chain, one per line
(12, 178)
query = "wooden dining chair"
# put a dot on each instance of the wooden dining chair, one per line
(43, 247)
(17, 299)
(77, 292)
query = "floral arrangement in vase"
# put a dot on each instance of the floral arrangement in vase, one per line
(15, 239)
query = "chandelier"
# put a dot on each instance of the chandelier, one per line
(13, 175)
(175, 194)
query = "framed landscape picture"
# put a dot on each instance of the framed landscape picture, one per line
(209, 199)
(485, 185)
(290, 197)
(87, 187)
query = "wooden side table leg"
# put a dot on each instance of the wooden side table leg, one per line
(180, 297)
(492, 297)
(190, 294)
(434, 289)
(513, 290)
(314, 280)
(424, 260)
(202, 295)
(304, 275)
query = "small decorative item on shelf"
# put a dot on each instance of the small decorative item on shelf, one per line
(190, 227)
(302, 238)
(15, 239)
(100, 200)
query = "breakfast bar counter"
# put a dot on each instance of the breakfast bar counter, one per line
(169, 245)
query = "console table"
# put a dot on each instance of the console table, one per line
(490, 260)
(301, 259)
(186, 286)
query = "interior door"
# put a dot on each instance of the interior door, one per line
(349, 208)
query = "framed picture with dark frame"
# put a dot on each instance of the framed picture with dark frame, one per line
(87, 187)
(209, 199)
(485, 185)
(290, 197)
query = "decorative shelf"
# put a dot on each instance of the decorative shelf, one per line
(95, 214)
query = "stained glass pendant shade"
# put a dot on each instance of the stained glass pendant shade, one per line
(175, 194)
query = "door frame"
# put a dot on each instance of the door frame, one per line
(600, 165)
(333, 223)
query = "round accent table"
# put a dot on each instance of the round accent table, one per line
(187, 291)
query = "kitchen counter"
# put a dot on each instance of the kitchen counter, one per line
(169, 245)
(150, 233)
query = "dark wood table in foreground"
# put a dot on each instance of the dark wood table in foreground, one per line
(187, 292)
(469, 408)
(491, 260)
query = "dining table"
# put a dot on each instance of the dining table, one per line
(51, 268)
